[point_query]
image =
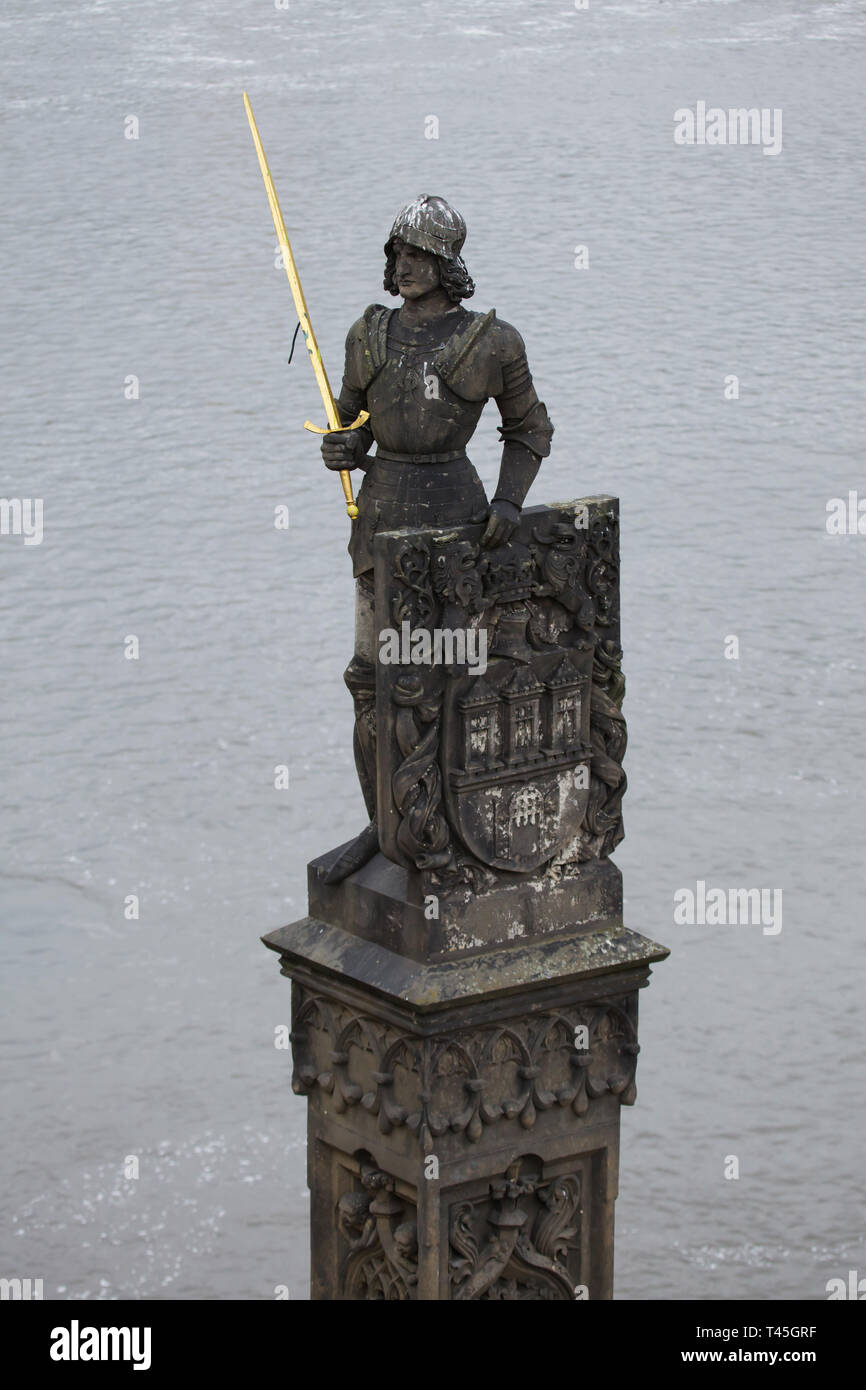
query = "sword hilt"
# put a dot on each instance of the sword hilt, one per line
(344, 472)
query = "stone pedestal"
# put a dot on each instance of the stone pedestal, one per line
(465, 1005)
(463, 1116)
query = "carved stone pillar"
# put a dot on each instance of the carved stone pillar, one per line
(464, 1011)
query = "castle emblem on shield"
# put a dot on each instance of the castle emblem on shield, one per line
(520, 786)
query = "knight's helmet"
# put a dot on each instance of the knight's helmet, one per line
(432, 225)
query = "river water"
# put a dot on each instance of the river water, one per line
(153, 258)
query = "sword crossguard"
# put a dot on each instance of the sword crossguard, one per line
(355, 425)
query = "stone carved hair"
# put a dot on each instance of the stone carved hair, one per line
(453, 277)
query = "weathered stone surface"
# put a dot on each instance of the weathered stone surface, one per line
(452, 1103)
(512, 765)
(573, 961)
(386, 903)
(464, 1018)
(465, 990)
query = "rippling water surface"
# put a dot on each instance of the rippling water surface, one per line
(154, 258)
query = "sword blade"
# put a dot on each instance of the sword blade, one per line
(293, 278)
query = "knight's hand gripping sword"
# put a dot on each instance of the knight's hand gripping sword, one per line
(316, 362)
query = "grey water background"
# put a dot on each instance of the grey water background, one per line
(155, 777)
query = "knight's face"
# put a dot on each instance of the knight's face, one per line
(416, 271)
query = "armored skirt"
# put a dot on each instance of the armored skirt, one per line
(445, 490)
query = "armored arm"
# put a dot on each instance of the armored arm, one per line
(350, 449)
(350, 402)
(526, 432)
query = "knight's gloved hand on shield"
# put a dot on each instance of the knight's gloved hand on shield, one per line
(341, 449)
(502, 521)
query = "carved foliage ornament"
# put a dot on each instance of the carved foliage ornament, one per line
(519, 1242)
(477, 1077)
(381, 1233)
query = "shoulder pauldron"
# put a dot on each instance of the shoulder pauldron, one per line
(460, 346)
(367, 346)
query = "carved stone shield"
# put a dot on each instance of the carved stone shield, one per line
(485, 744)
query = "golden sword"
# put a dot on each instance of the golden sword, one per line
(316, 362)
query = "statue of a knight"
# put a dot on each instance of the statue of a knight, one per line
(424, 372)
